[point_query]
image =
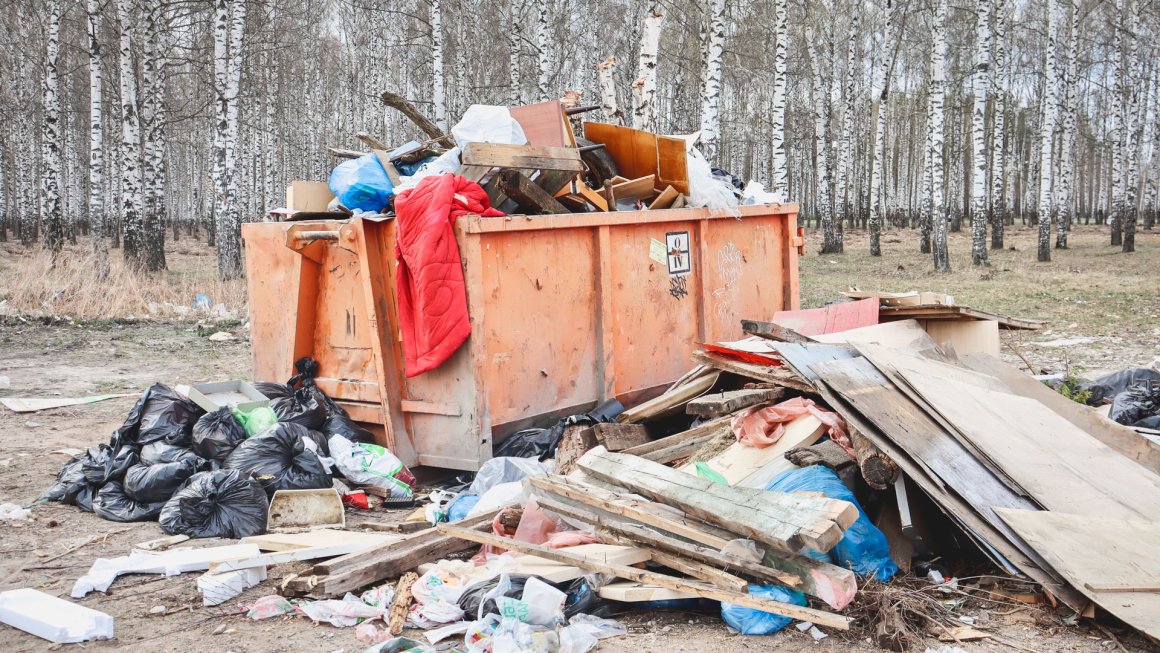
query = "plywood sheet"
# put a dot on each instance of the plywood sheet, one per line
(907, 334)
(1098, 552)
(965, 336)
(627, 591)
(842, 316)
(317, 538)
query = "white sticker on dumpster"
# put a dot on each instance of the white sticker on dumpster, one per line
(677, 245)
(656, 250)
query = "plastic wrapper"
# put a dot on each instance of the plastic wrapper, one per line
(380, 596)
(280, 459)
(755, 193)
(113, 504)
(545, 603)
(499, 496)
(370, 464)
(272, 390)
(304, 408)
(461, 506)
(584, 631)
(506, 470)
(269, 606)
(443, 582)
(748, 621)
(707, 190)
(160, 415)
(479, 599)
(762, 426)
(1139, 404)
(216, 434)
(512, 636)
(157, 483)
(223, 503)
(483, 123)
(362, 183)
(161, 452)
(863, 548)
(344, 613)
(399, 645)
(257, 420)
(436, 613)
(478, 638)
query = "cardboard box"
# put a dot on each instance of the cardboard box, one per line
(311, 196)
(237, 394)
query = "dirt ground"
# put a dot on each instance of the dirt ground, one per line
(1089, 292)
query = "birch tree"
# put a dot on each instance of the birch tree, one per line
(1132, 129)
(1046, 130)
(542, 58)
(942, 261)
(980, 84)
(998, 208)
(229, 29)
(644, 89)
(439, 91)
(881, 94)
(714, 50)
(777, 118)
(843, 188)
(824, 206)
(1065, 199)
(52, 216)
(609, 106)
(153, 122)
(515, 49)
(132, 247)
(96, 191)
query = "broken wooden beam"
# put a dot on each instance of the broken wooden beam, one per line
(528, 195)
(779, 374)
(428, 126)
(522, 157)
(773, 331)
(618, 437)
(682, 445)
(724, 403)
(819, 617)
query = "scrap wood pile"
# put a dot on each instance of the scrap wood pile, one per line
(533, 159)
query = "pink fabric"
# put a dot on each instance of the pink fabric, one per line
(537, 527)
(432, 294)
(760, 427)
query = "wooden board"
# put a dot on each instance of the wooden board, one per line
(842, 316)
(942, 312)
(665, 199)
(907, 334)
(1096, 551)
(633, 189)
(627, 591)
(639, 153)
(768, 373)
(318, 538)
(771, 331)
(543, 123)
(740, 463)
(670, 402)
(683, 444)
(1060, 465)
(786, 522)
(1118, 437)
(964, 336)
(498, 155)
(618, 437)
(724, 403)
(554, 571)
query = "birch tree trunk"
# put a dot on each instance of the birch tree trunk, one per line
(980, 84)
(1046, 130)
(1119, 133)
(998, 131)
(1066, 197)
(542, 58)
(52, 215)
(229, 28)
(606, 77)
(824, 206)
(515, 48)
(780, 182)
(644, 89)
(96, 194)
(153, 122)
(882, 93)
(714, 50)
(1133, 127)
(439, 90)
(130, 167)
(942, 261)
(845, 188)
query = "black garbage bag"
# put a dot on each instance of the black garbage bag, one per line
(299, 402)
(71, 486)
(541, 443)
(1139, 405)
(222, 503)
(1108, 386)
(113, 504)
(580, 595)
(161, 452)
(272, 390)
(160, 414)
(157, 483)
(216, 434)
(303, 408)
(102, 464)
(338, 422)
(280, 459)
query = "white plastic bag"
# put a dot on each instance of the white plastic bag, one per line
(343, 614)
(478, 637)
(545, 603)
(513, 636)
(500, 496)
(483, 123)
(429, 615)
(368, 464)
(705, 190)
(755, 193)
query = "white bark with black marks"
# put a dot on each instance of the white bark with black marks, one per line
(52, 213)
(439, 89)
(1046, 130)
(780, 181)
(644, 89)
(942, 261)
(980, 85)
(714, 50)
(96, 190)
(609, 105)
(132, 201)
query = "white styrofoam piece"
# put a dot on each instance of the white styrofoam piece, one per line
(219, 588)
(175, 561)
(51, 618)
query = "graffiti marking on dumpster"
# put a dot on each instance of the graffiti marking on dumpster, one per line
(729, 270)
(677, 246)
(678, 286)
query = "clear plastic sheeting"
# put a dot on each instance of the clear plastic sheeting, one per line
(707, 190)
(483, 123)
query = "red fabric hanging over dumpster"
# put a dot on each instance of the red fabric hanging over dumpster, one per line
(432, 297)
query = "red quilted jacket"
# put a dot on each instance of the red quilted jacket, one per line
(432, 298)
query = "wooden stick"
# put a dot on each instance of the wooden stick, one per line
(701, 571)
(399, 103)
(771, 331)
(699, 588)
(1122, 588)
(402, 602)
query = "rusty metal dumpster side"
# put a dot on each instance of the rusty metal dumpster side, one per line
(566, 310)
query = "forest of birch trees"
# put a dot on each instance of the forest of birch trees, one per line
(130, 122)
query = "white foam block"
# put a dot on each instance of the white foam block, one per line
(53, 619)
(219, 588)
(175, 561)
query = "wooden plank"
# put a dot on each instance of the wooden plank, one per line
(768, 373)
(786, 522)
(318, 538)
(753, 467)
(1091, 550)
(293, 555)
(683, 444)
(618, 437)
(907, 334)
(819, 617)
(543, 123)
(841, 316)
(943, 312)
(639, 153)
(669, 402)
(771, 331)
(631, 592)
(528, 195)
(700, 571)
(384, 158)
(724, 403)
(1060, 465)
(500, 155)
(665, 199)
(1118, 437)
(633, 189)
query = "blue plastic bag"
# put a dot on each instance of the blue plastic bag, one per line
(863, 548)
(362, 184)
(755, 622)
(461, 505)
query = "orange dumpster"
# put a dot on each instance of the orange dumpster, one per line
(566, 311)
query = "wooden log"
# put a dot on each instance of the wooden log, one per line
(428, 126)
(576, 440)
(819, 617)
(724, 403)
(781, 375)
(683, 444)
(773, 331)
(878, 470)
(700, 571)
(371, 141)
(827, 454)
(528, 195)
(397, 616)
(618, 437)
(786, 522)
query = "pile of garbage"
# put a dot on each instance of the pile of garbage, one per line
(1132, 396)
(211, 474)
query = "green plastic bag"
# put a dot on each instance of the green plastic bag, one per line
(257, 420)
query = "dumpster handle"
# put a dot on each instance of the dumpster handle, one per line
(311, 236)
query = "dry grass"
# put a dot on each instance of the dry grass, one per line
(32, 286)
